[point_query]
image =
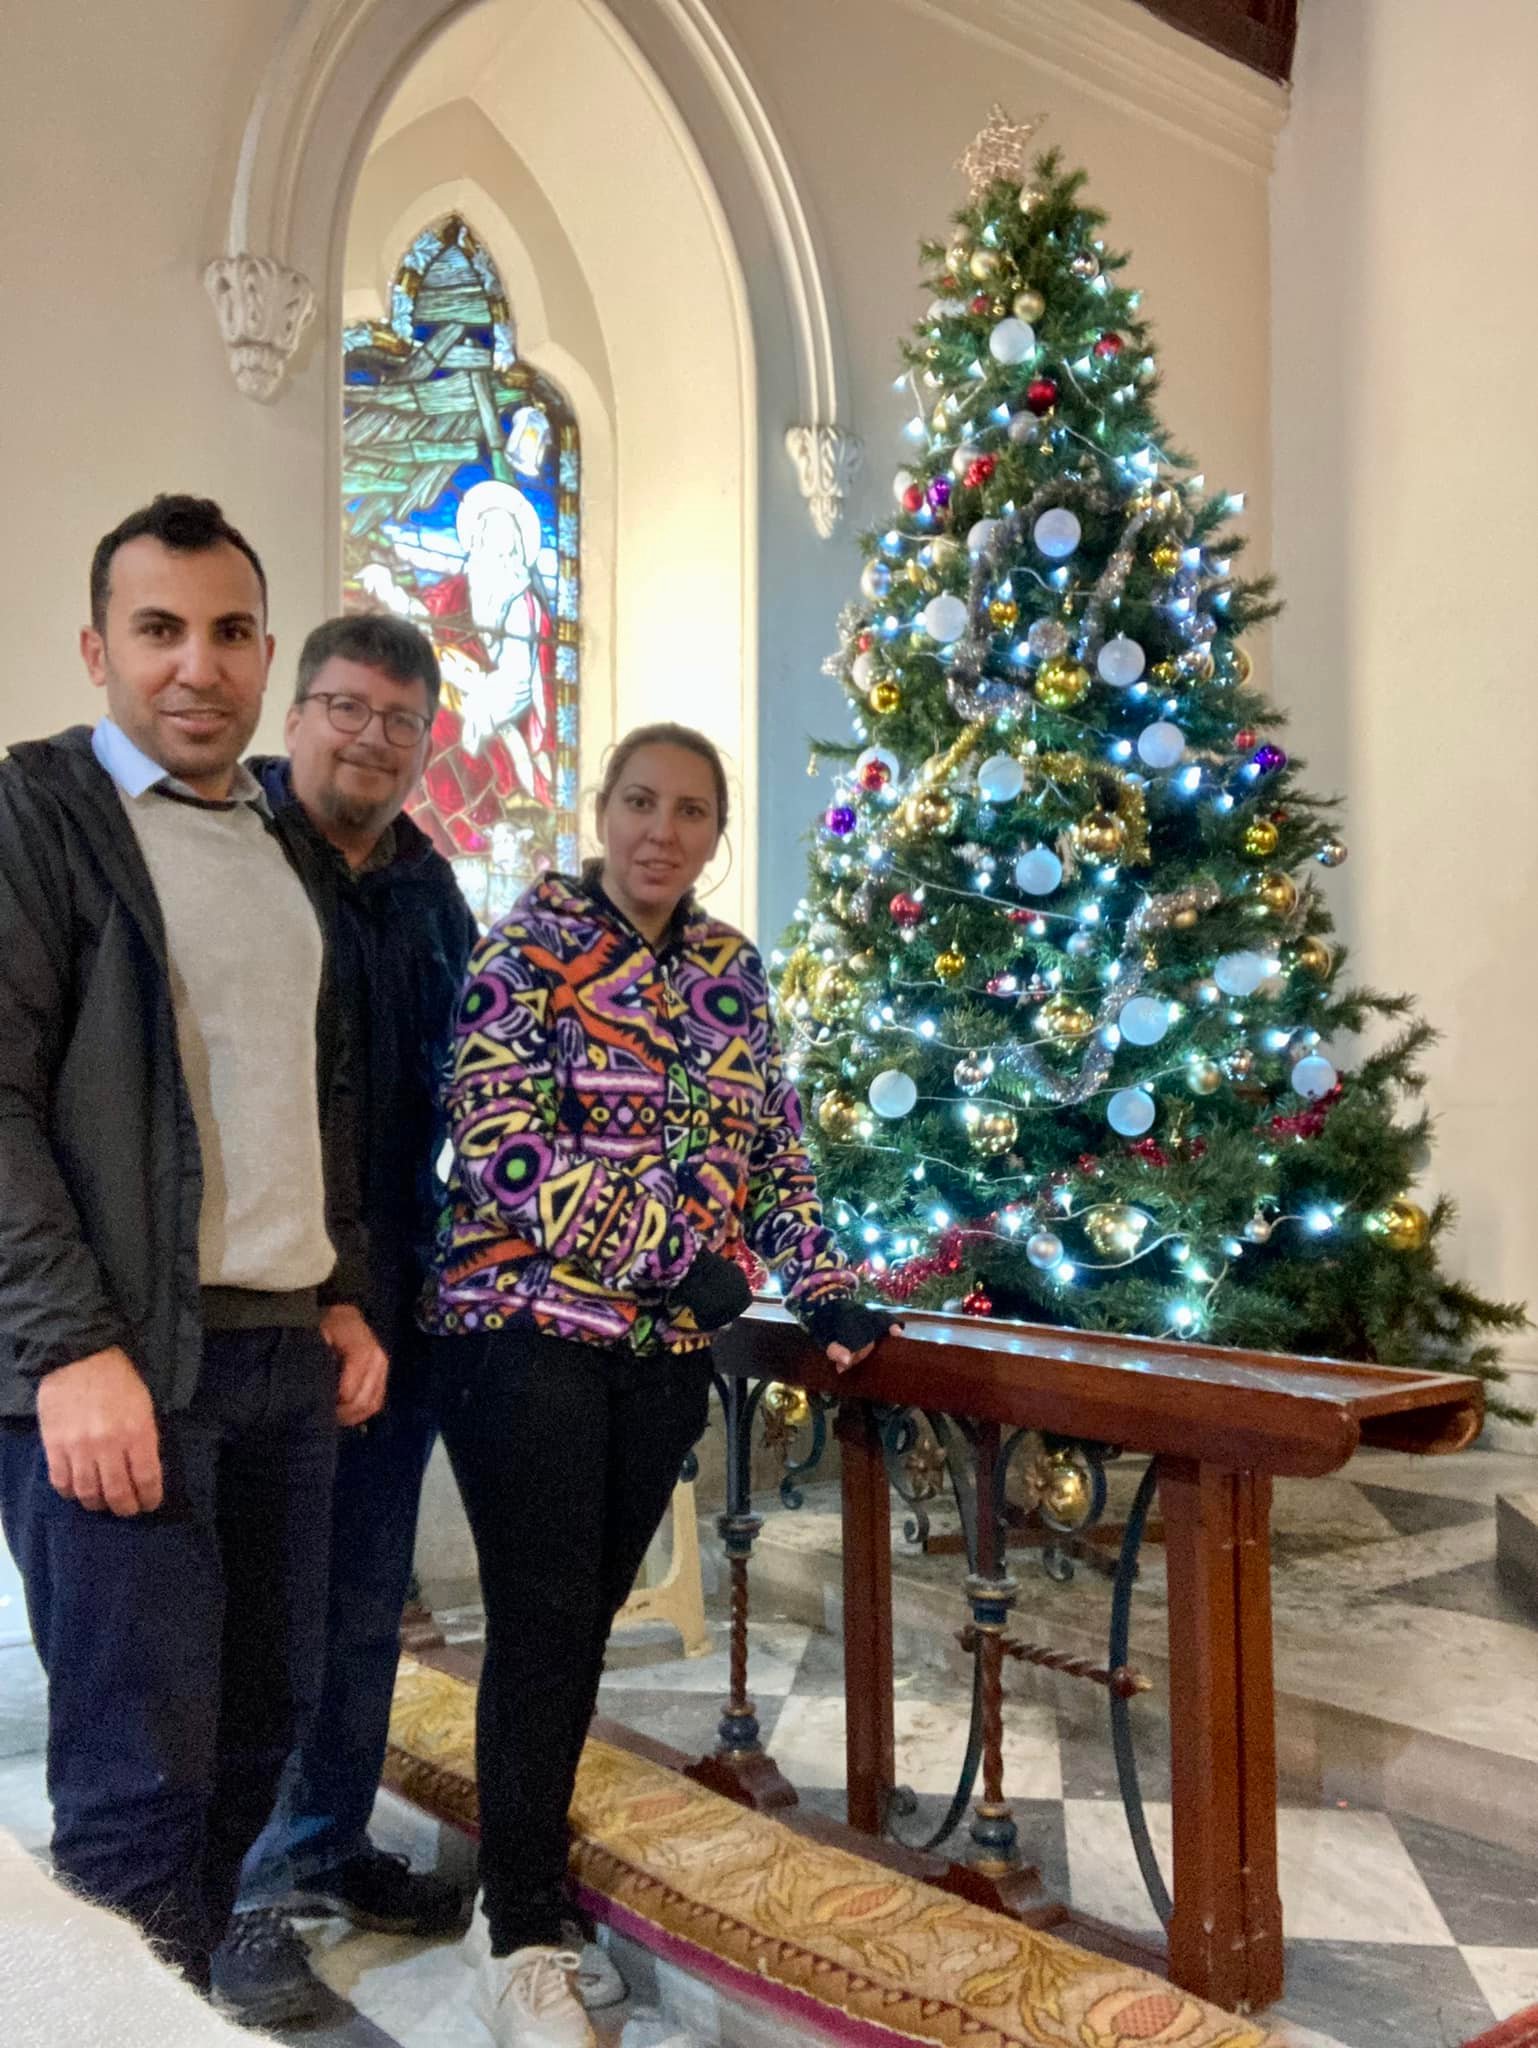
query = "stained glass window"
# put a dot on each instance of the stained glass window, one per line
(461, 510)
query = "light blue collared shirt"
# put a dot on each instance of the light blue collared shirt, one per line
(135, 773)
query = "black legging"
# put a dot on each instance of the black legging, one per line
(566, 1456)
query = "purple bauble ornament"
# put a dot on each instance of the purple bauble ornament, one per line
(1269, 759)
(939, 492)
(840, 820)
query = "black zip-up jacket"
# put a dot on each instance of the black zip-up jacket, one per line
(101, 1176)
(401, 936)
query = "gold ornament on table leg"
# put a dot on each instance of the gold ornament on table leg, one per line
(1260, 839)
(994, 1132)
(1062, 1489)
(1403, 1225)
(790, 1407)
(838, 1115)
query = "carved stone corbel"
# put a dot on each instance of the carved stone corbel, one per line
(827, 460)
(263, 308)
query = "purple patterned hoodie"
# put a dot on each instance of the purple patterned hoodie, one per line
(613, 1111)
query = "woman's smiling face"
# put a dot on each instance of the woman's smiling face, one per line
(658, 828)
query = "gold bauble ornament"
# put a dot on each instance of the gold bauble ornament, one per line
(956, 256)
(833, 992)
(1002, 613)
(1279, 893)
(1204, 1077)
(985, 263)
(1315, 958)
(1061, 682)
(1241, 663)
(1166, 674)
(1166, 557)
(1028, 305)
(930, 810)
(939, 419)
(838, 1115)
(950, 965)
(1142, 499)
(1062, 1017)
(1403, 1225)
(1099, 835)
(944, 550)
(790, 1407)
(1260, 839)
(1063, 1489)
(1031, 197)
(1183, 920)
(1116, 1229)
(994, 1132)
(1197, 665)
(885, 696)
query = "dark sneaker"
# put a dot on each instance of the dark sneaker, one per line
(262, 1974)
(384, 1894)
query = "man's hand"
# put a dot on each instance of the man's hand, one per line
(360, 1387)
(100, 1435)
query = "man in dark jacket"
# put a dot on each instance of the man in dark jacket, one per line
(180, 1258)
(358, 735)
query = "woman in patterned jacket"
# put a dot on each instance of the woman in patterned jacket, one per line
(620, 1118)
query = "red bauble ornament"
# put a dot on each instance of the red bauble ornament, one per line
(977, 1303)
(1002, 984)
(1110, 344)
(865, 642)
(981, 303)
(979, 472)
(1041, 394)
(1245, 738)
(913, 498)
(875, 775)
(906, 910)
(947, 282)
(1021, 916)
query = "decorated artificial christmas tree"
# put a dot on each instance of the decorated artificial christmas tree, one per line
(1072, 1029)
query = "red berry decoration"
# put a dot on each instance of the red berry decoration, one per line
(913, 498)
(979, 472)
(875, 775)
(1041, 394)
(1110, 344)
(1021, 916)
(906, 911)
(981, 303)
(977, 1303)
(947, 282)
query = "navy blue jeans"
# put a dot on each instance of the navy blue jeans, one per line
(328, 1788)
(183, 1648)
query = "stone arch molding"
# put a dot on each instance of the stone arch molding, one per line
(331, 73)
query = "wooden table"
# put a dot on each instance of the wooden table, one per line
(1221, 1424)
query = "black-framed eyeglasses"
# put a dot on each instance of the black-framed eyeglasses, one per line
(355, 715)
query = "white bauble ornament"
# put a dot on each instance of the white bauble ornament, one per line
(981, 535)
(1144, 1020)
(1011, 341)
(945, 618)
(1038, 871)
(903, 481)
(1314, 1077)
(893, 1093)
(1000, 779)
(1044, 1249)
(1120, 662)
(1056, 533)
(862, 670)
(1161, 744)
(965, 456)
(1130, 1112)
(1239, 974)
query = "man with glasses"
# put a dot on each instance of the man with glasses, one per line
(358, 735)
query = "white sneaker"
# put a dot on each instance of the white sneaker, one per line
(529, 2000)
(599, 1983)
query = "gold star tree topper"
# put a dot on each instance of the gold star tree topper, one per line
(998, 151)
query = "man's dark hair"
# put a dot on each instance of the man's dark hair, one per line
(377, 640)
(186, 525)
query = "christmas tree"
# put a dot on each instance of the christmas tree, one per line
(1062, 995)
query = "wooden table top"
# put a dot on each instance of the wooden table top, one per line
(1247, 1410)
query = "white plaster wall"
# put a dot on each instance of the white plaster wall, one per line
(1406, 515)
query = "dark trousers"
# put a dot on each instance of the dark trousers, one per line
(322, 1814)
(566, 1455)
(183, 1648)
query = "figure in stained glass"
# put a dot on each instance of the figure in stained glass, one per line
(462, 512)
